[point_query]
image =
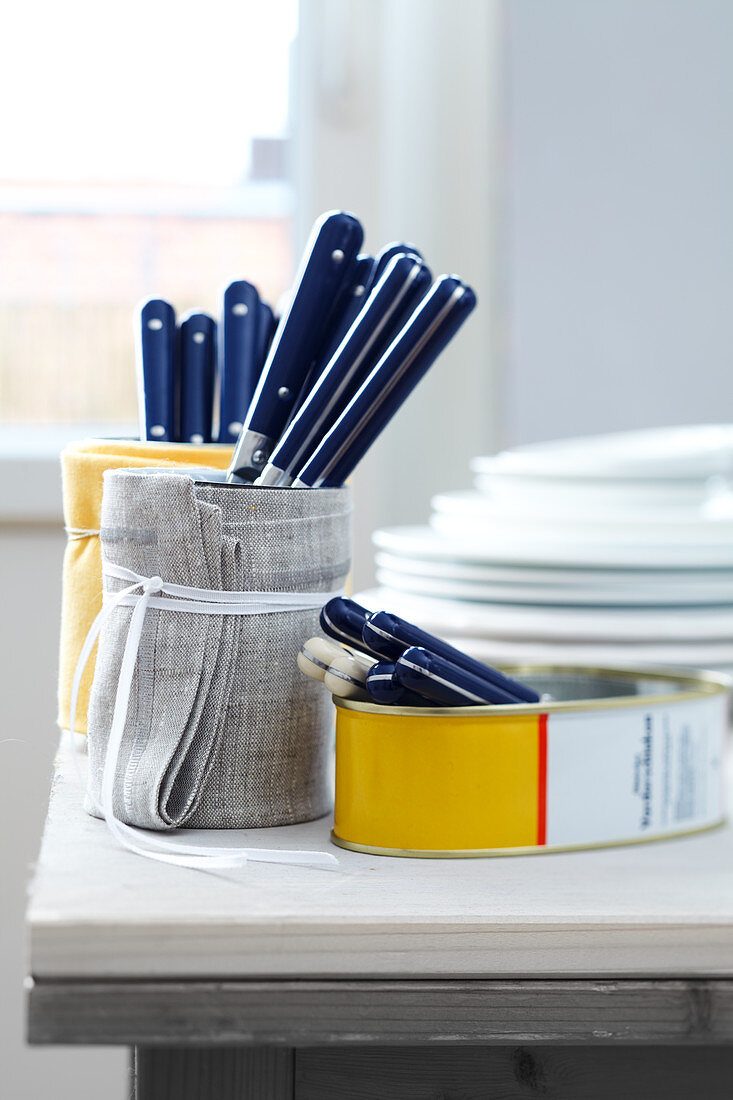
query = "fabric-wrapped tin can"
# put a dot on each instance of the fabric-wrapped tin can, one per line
(218, 729)
(83, 464)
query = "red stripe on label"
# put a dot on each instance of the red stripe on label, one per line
(542, 781)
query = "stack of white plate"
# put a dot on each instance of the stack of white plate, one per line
(606, 550)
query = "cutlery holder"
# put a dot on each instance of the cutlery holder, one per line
(219, 729)
(83, 465)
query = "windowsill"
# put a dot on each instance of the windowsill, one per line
(253, 199)
(29, 468)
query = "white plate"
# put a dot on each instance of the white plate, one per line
(570, 624)
(473, 513)
(707, 580)
(718, 658)
(424, 542)
(609, 500)
(600, 595)
(704, 654)
(691, 451)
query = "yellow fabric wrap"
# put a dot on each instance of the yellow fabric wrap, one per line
(82, 468)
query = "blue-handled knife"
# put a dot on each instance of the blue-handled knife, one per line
(405, 281)
(325, 270)
(156, 362)
(343, 620)
(397, 248)
(265, 332)
(350, 306)
(239, 334)
(384, 687)
(197, 343)
(430, 328)
(390, 636)
(445, 682)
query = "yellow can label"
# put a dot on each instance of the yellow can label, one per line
(438, 784)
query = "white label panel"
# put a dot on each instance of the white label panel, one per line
(634, 772)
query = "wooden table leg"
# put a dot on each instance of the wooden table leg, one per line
(514, 1072)
(212, 1073)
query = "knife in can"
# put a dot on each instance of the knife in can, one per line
(405, 281)
(197, 341)
(350, 306)
(343, 620)
(445, 682)
(384, 687)
(238, 345)
(390, 636)
(156, 362)
(427, 332)
(397, 248)
(324, 273)
(265, 332)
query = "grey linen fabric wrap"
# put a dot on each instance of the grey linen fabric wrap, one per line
(223, 731)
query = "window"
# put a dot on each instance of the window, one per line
(144, 154)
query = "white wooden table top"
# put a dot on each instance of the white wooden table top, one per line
(653, 910)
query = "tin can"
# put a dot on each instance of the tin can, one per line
(618, 756)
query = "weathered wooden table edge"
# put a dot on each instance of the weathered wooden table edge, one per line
(322, 1013)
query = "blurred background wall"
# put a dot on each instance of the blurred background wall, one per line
(571, 158)
(617, 257)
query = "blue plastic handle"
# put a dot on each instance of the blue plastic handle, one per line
(350, 306)
(265, 332)
(343, 620)
(157, 368)
(324, 272)
(405, 281)
(430, 328)
(445, 682)
(388, 253)
(238, 346)
(390, 636)
(384, 687)
(198, 370)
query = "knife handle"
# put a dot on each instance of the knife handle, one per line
(324, 273)
(198, 368)
(343, 620)
(384, 688)
(156, 360)
(430, 328)
(403, 284)
(239, 334)
(350, 306)
(445, 682)
(390, 635)
(388, 253)
(265, 332)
